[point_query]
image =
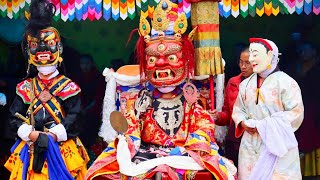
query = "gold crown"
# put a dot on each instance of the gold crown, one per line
(164, 14)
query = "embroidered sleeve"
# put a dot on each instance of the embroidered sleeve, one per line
(23, 90)
(203, 130)
(239, 113)
(69, 90)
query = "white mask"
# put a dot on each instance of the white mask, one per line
(45, 70)
(260, 58)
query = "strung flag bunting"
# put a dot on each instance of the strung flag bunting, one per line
(283, 8)
(131, 9)
(78, 5)
(115, 9)
(64, 10)
(56, 3)
(299, 6)
(180, 6)
(15, 8)
(316, 7)
(22, 3)
(71, 9)
(98, 9)
(138, 7)
(9, 9)
(235, 8)
(144, 8)
(27, 7)
(252, 8)
(91, 9)
(244, 8)
(290, 5)
(275, 7)
(220, 6)
(226, 8)
(124, 9)
(307, 6)
(85, 5)
(268, 7)
(260, 7)
(151, 7)
(107, 9)
(3, 8)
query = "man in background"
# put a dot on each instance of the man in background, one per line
(223, 118)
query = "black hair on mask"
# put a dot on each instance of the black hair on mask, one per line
(41, 13)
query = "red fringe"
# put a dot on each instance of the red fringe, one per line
(141, 56)
(188, 54)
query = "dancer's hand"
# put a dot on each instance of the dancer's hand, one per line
(214, 115)
(248, 129)
(33, 136)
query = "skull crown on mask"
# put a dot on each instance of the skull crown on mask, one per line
(166, 56)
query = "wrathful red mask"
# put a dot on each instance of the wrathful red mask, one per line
(165, 65)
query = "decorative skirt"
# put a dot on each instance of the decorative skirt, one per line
(72, 152)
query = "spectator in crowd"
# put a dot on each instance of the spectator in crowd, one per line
(92, 89)
(223, 118)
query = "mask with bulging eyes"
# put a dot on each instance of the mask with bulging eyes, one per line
(165, 64)
(45, 48)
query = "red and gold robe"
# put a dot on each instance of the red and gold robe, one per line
(194, 135)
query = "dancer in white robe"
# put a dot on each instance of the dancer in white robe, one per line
(267, 111)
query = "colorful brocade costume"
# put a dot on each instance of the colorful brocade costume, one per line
(169, 134)
(147, 139)
(45, 111)
(63, 108)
